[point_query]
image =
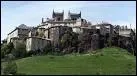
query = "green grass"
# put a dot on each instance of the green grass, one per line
(108, 61)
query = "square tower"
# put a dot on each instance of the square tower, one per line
(58, 16)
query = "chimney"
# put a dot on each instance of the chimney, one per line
(80, 14)
(53, 14)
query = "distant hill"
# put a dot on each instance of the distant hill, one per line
(108, 61)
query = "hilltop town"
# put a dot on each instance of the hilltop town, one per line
(53, 30)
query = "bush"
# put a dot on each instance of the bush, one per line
(69, 41)
(48, 49)
(30, 53)
(10, 67)
(20, 51)
(6, 49)
(10, 57)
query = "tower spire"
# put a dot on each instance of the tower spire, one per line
(42, 20)
(63, 11)
(130, 26)
(53, 10)
(53, 14)
(80, 14)
(69, 14)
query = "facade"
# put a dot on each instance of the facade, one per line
(19, 32)
(36, 43)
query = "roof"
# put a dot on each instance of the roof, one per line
(74, 14)
(103, 24)
(22, 26)
(58, 13)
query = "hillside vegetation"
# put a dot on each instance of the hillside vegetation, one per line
(108, 61)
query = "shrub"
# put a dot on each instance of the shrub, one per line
(10, 67)
(101, 54)
(69, 41)
(20, 51)
(47, 49)
(6, 49)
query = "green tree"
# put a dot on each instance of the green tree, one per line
(6, 49)
(84, 42)
(20, 50)
(3, 42)
(69, 41)
(9, 67)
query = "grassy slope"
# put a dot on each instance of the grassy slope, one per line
(113, 61)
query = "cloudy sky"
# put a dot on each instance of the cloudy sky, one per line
(14, 13)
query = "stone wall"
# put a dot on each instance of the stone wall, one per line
(125, 33)
(17, 41)
(13, 34)
(95, 42)
(20, 33)
(35, 43)
(55, 33)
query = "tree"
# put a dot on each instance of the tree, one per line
(48, 48)
(9, 67)
(20, 50)
(84, 42)
(4, 41)
(69, 41)
(6, 49)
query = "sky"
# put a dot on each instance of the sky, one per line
(30, 13)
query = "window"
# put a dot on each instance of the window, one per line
(58, 19)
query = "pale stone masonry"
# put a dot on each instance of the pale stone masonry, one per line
(36, 43)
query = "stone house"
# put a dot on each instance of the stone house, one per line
(19, 32)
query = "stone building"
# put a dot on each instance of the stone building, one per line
(126, 32)
(51, 30)
(74, 20)
(74, 16)
(58, 16)
(19, 32)
(127, 39)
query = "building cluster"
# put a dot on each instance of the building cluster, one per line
(51, 29)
